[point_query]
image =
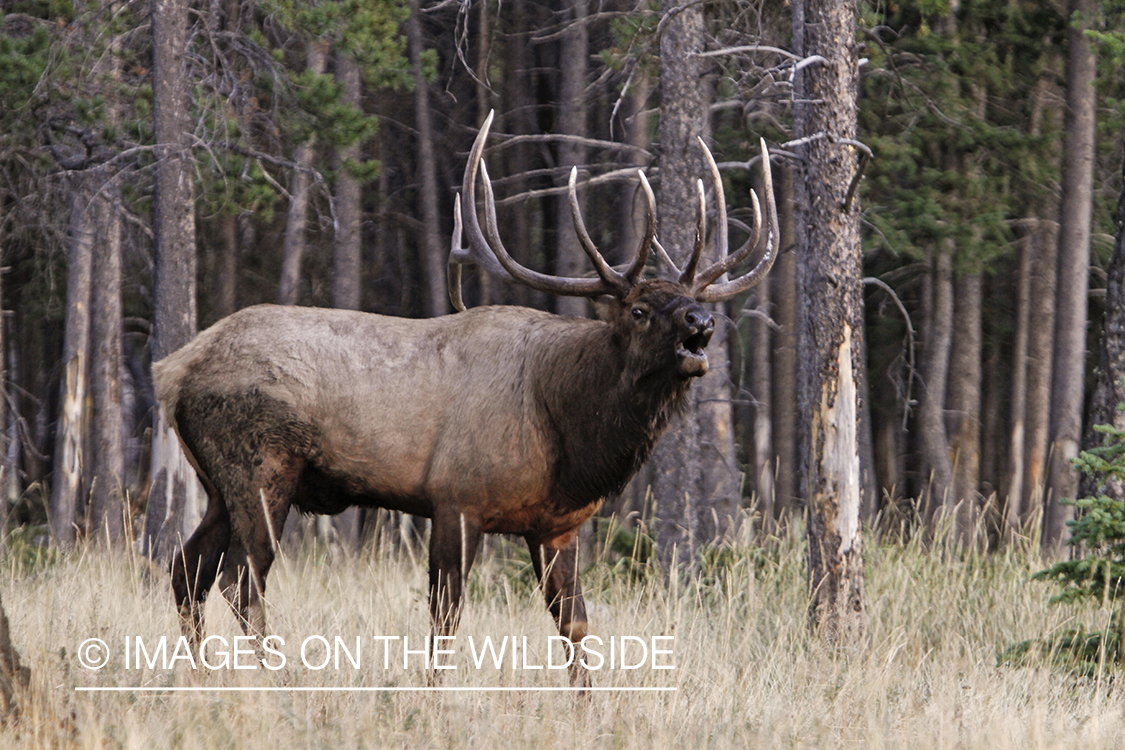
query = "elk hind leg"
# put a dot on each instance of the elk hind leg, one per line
(196, 563)
(257, 521)
(556, 566)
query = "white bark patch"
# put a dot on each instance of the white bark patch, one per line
(168, 453)
(840, 462)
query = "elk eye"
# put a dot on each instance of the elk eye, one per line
(639, 313)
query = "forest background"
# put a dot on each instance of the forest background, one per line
(320, 146)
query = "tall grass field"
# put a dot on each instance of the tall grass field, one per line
(747, 673)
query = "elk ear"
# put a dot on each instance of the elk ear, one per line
(607, 308)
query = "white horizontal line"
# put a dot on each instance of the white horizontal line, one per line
(373, 689)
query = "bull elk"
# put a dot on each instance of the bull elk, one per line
(497, 419)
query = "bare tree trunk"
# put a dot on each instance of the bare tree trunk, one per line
(70, 435)
(571, 260)
(963, 400)
(226, 267)
(783, 279)
(1041, 337)
(1109, 383)
(1014, 509)
(830, 321)
(938, 472)
(295, 243)
(173, 495)
(695, 470)
(7, 465)
(107, 491)
(432, 252)
(1075, 216)
(761, 390)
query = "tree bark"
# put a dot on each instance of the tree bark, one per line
(7, 465)
(964, 407)
(172, 502)
(1014, 508)
(783, 279)
(432, 252)
(70, 434)
(1075, 216)
(570, 260)
(1109, 381)
(829, 316)
(937, 469)
(1041, 337)
(695, 470)
(297, 220)
(761, 391)
(107, 524)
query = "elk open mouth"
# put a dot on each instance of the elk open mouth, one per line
(692, 358)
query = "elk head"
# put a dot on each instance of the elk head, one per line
(645, 313)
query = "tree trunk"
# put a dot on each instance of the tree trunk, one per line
(783, 279)
(963, 401)
(7, 465)
(172, 501)
(695, 469)
(433, 254)
(1075, 216)
(760, 392)
(1014, 508)
(295, 243)
(829, 316)
(70, 434)
(107, 490)
(1109, 382)
(1040, 348)
(570, 260)
(937, 470)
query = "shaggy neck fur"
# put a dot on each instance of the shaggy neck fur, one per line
(608, 411)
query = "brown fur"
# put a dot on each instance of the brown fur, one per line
(499, 419)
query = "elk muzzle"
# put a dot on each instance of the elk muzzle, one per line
(696, 326)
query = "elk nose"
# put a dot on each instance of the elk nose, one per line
(699, 320)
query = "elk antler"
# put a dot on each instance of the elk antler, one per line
(704, 289)
(487, 250)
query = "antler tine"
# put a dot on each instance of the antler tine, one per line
(607, 273)
(639, 261)
(543, 282)
(700, 229)
(725, 265)
(728, 289)
(488, 251)
(453, 272)
(664, 256)
(478, 251)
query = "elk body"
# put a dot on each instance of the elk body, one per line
(496, 419)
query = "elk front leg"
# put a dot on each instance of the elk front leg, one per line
(556, 565)
(454, 537)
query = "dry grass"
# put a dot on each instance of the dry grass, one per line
(748, 675)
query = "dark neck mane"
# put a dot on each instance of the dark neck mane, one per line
(607, 421)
